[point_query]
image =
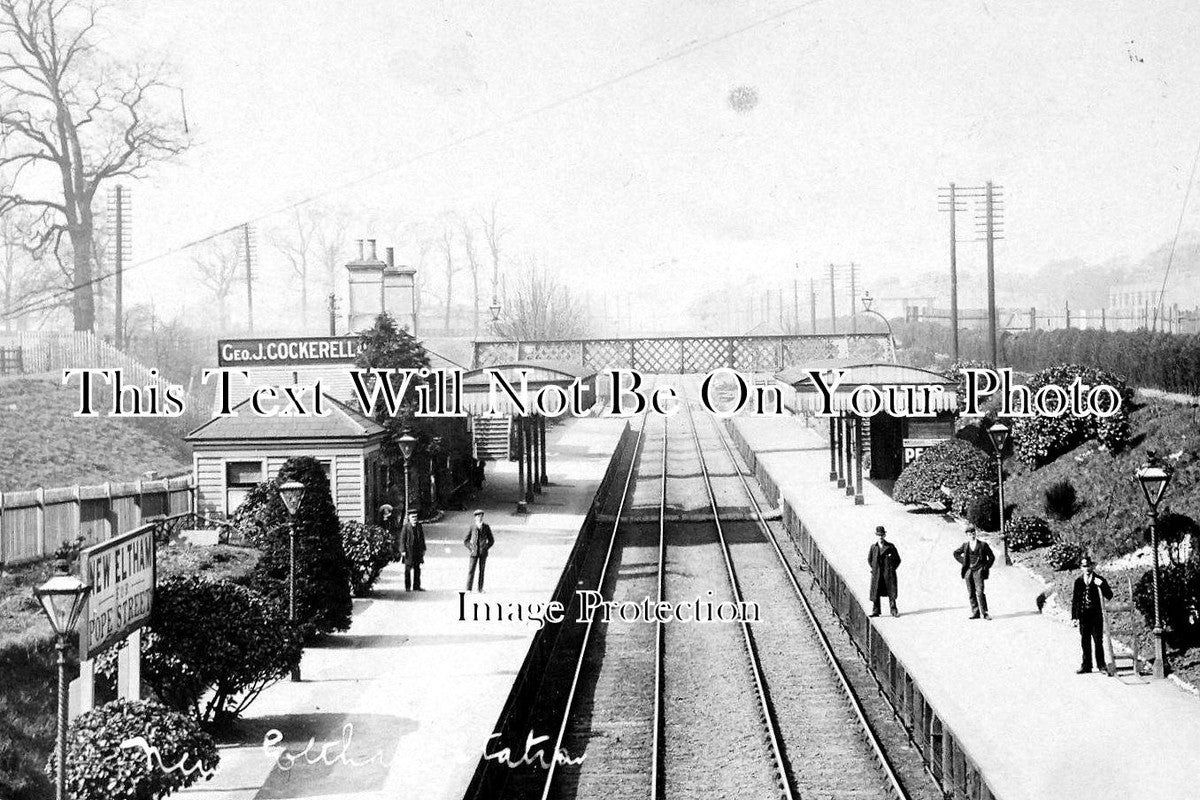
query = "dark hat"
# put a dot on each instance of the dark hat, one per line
(971, 529)
(880, 529)
(479, 512)
(412, 512)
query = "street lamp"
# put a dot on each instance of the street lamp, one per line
(63, 598)
(292, 492)
(867, 302)
(408, 443)
(998, 433)
(1154, 479)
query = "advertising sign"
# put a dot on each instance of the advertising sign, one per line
(914, 448)
(121, 573)
(268, 352)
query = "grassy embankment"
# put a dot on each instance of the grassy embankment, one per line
(27, 662)
(1110, 518)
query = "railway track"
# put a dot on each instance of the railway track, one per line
(746, 709)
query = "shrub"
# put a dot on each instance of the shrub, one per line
(118, 751)
(1059, 500)
(1179, 597)
(1064, 556)
(369, 548)
(322, 570)
(213, 646)
(1041, 439)
(983, 513)
(1028, 533)
(965, 471)
(1173, 528)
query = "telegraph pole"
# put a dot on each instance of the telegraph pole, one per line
(812, 302)
(948, 201)
(796, 301)
(853, 297)
(119, 207)
(991, 223)
(832, 301)
(249, 278)
(333, 306)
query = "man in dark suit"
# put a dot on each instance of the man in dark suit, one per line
(478, 541)
(1087, 610)
(412, 544)
(883, 558)
(976, 558)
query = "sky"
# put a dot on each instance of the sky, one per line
(657, 150)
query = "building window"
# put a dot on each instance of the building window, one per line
(240, 478)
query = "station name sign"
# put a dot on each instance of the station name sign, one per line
(267, 352)
(121, 573)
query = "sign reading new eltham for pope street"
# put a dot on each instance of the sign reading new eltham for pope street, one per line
(121, 573)
(309, 350)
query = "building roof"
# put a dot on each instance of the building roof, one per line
(539, 370)
(341, 423)
(860, 372)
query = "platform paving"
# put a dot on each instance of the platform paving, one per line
(1006, 687)
(411, 691)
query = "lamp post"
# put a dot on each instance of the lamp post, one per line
(408, 443)
(62, 597)
(292, 493)
(867, 302)
(998, 433)
(1154, 479)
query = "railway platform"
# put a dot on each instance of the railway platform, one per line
(402, 705)
(1006, 688)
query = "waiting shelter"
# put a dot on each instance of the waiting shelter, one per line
(231, 455)
(912, 409)
(501, 430)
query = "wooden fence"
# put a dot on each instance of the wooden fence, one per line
(35, 523)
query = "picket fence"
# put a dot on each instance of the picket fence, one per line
(36, 522)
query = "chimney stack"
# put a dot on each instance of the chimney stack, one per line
(390, 258)
(361, 255)
(374, 257)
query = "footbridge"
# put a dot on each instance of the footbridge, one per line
(690, 354)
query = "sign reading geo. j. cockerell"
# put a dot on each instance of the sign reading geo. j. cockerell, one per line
(264, 352)
(121, 573)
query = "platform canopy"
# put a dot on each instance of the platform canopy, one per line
(904, 381)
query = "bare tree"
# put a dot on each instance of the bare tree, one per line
(446, 242)
(296, 245)
(537, 306)
(72, 115)
(329, 239)
(493, 234)
(219, 263)
(473, 266)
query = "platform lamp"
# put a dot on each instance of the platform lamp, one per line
(292, 493)
(1154, 479)
(998, 433)
(867, 302)
(408, 444)
(62, 598)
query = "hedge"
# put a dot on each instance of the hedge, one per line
(322, 570)
(126, 749)
(1040, 439)
(369, 548)
(1028, 533)
(966, 472)
(213, 646)
(1179, 597)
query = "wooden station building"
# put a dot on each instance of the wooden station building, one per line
(881, 445)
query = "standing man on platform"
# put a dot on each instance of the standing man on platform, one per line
(1087, 611)
(412, 544)
(478, 541)
(976, 558)
(883, 558)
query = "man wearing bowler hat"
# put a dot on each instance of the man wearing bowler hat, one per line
(883, 557)
(478, 541)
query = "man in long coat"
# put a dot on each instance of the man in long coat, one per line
(884, 558)
(412, 549)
